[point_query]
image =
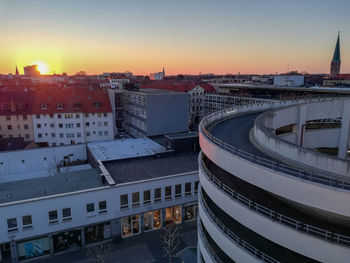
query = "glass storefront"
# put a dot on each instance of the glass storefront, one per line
(152, 220)
(67, 240)
(97, 233)
(191, 212)
(173, 214)
(33, 248)
(130, 225)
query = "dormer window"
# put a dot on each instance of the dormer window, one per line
(59, 106)
(97, 105)
(44, 106)
(77, 106)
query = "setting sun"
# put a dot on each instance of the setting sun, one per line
(42, 67)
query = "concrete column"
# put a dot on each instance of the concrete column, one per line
(300, 124)
(14, 255)
(344, 131)
(82, 237)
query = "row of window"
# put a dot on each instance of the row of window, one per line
(70, 116)
(72, 135)
(71, 125)
(60, 106)
(54, 218)
(9, 127)
(26, 136)
(124, 199)
(24, 117)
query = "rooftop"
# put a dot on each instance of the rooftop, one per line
(124, 148)
(182, 135)
(49, 185)
(137, 169)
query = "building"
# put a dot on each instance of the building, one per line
(335, 63)
(152, 112)
(275, 183)
(64, 116)
(157, 76)
(82, 195)
(288, 80)
(16, 114)
(31, 71)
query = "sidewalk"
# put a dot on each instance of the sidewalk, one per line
(141, 248)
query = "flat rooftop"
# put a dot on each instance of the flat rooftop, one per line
(49, 185)
(158, 91)
(124, 148)
(144, 168)
(182, 135)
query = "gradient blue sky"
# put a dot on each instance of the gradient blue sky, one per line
(247, 36)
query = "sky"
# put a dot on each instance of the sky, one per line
(184, 36)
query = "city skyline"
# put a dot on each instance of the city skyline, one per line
(200, 36)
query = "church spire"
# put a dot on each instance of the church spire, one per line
(17, 73)
(335, 63)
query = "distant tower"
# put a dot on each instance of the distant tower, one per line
(163, 72)
(335, 64)
(17, 73)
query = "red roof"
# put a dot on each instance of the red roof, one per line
(16, 101)
(179, 86)
(68, 100)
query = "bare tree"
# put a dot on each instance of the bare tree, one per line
(170, 240)
(99, 253)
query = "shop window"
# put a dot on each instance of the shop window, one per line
(124, 201)
(66, 214)
(191, 212)
(130, 225)
(173, 214)
(188, 189)
(90, 208)
(102, 207)
(146, 197)
(68, 240)
(135, 199)
(12, 224)
(53, 217)
(196, 183)
(167, 192)
(157, 194)
(27, 222)
(97, 233)
(152, 220)
(177, 190)
(33, 248)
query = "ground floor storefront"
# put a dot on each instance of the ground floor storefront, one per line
(85, 236)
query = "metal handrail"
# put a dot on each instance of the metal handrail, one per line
(268, 163)
(273, 215)
(240, 242)
(207, 245)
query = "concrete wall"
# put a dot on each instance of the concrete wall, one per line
(167, 113)
(17, 123)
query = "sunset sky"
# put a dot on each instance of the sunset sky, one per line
(184, 36)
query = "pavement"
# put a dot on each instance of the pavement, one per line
(145, 247)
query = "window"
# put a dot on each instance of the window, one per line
(53, 135)
(87, 124)
(130, 225)
(38, 116)
(97, 105)
(25, 117)
(105, 123)
(27, 222)
(191, 212)
(146, 197)
(25, 126)
(12, 224)
(78, 125)
(87, 133)
(152, 220)
(99, 124)
(79, 134)
(188, 189)
(40, 135)
(196, 183)
(124, 201)
(66, 214)
(100, 133)
(135, 199)
(178, 190)
(26, 136)
(38, 126)
(102, 207)
(77, 106)
(167, 192)
(52, 125)
(43, 106)
(77, 116)
(51, 115)
(8, 118)
(99, 115)
(61, 135)
(60, 106)
(9, 127)
(90, 208)
(86, 115)
(59, 116)
(69, 125)
(60, 125)
(157, 195)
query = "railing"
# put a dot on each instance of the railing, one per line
(239, 242)
(273, 215)
(268, 163)
(207, 245)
